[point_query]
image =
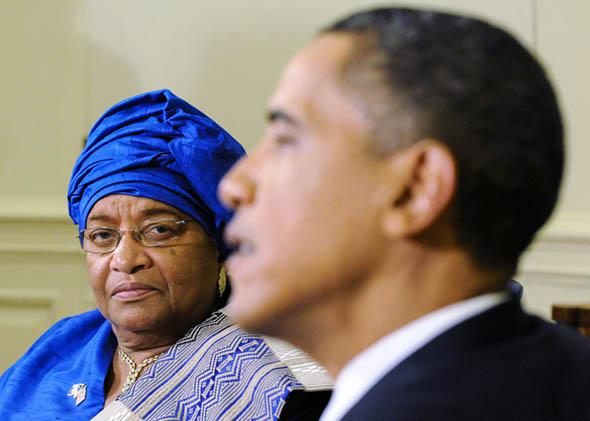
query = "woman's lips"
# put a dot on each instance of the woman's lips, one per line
(132, 290)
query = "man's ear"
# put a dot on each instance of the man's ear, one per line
(424, 176)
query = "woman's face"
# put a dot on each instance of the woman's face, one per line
(161, 290)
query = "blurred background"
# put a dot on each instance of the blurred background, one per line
(64, 62)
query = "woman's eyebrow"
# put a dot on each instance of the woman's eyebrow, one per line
(161, 211)
(100, 218)
(147, 213)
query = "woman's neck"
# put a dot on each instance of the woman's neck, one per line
(140, 344)
(139, 354)
(120, 368)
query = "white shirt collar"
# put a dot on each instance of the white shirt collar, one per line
(367, 368)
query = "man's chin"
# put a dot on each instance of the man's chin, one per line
(247, 318)
(253, 318)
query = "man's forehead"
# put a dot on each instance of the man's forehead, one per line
(317, 64)
(317, 68)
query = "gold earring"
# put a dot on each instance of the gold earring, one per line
(222, 281)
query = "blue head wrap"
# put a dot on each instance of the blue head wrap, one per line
(158, 146)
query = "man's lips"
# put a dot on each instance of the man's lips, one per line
(130, 290)
(241, 259)
(240, 244)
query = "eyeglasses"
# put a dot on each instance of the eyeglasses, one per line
(152, 233)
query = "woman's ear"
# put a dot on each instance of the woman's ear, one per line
(423, 179)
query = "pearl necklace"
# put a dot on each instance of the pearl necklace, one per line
(135, 369)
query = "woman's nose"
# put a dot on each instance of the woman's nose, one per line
(129, 256)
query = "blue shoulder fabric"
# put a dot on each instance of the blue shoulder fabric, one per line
(158, 146)
(77, 350)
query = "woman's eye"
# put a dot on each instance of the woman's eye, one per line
(160, 231)
(101, 236)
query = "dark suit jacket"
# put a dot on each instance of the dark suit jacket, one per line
(502, 365)
(304, 406)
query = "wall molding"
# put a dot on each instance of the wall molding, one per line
(22, 297)
(567, 226)
(561, 249)
(34, 234)
(14, 209)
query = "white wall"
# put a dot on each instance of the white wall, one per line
(65, 61)
(557, 268)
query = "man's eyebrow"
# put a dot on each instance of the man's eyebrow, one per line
(276, 115)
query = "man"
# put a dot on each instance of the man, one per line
(409, 159)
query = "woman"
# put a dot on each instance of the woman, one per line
(143, 193)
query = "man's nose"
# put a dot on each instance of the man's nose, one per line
(237, 188)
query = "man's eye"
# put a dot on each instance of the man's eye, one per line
(284, 140)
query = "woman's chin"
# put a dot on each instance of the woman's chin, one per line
(137, 321)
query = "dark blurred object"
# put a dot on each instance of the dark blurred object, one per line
(577, 316)
(515, 288)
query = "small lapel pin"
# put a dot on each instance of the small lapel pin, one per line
(78, 392)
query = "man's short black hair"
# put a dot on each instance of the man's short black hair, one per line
(475, 88)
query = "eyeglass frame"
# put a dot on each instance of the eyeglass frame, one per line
(137, 235)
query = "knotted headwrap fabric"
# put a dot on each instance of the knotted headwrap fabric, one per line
(158, 146)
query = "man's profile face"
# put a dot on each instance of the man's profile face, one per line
(306, 222)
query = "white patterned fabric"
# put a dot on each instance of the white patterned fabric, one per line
(215, 372)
